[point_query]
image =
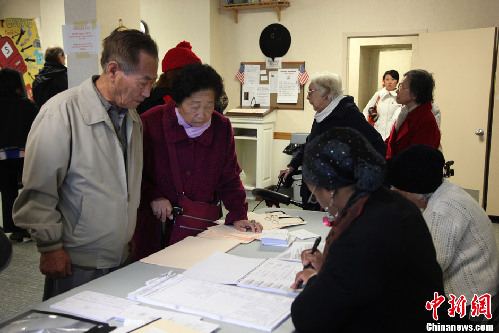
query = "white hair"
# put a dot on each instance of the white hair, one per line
(328, 83)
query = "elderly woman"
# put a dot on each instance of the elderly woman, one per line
(416, 122)
(379, 267)
(332, 109)
(189, 160)
(461, 230)
(172, 64)
(381, 110)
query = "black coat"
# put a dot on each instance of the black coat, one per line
(377, 276)
(16, 116)
(346, 114)
(52, 79)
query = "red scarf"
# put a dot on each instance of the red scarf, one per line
(342, 222)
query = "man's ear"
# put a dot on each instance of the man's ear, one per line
(112, 69)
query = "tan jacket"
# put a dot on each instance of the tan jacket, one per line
(76, 193)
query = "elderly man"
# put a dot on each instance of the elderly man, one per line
(83, 167)
(461, 230)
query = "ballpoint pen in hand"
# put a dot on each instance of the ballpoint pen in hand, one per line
(314, 248)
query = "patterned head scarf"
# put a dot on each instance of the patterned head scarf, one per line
(343, 157)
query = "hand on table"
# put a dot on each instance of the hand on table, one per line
(55, 264)
(245, 225)
(302, 277)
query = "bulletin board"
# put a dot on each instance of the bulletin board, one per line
(273, 96)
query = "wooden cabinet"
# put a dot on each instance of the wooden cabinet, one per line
(254, 139)
(254, 5)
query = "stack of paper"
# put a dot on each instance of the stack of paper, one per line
(277, 237)
(239, 306)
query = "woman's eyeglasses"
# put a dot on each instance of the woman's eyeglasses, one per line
(309, 92)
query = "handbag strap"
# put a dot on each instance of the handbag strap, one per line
(375, 107)
(172, 153)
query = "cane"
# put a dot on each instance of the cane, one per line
(176, 211)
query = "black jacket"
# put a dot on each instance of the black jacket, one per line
(16, 116)
(346, 114)
(378, 274)
(52, 79)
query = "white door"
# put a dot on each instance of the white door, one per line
(462, 65)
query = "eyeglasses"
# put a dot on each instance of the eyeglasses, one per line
(312, 199)
(272, 218)
(310, 92)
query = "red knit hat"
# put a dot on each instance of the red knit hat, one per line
(179, 56)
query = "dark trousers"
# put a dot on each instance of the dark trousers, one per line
(10, 173)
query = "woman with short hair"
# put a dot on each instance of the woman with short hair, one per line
(416, 123)
(332, 109)
(202, 143)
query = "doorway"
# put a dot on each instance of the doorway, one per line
(370, 57)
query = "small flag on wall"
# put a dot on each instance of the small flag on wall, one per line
(240, 74)
(302, 76)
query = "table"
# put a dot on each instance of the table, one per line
(119, 283)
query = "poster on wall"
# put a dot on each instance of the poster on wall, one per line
(20, 49)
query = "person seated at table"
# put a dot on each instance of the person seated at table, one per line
(415, 123)
(379, 266)
(461, 230)
(203, 143)
(332, 109)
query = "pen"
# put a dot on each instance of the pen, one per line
(314, 248)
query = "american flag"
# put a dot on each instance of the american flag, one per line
(302, 76)
(240, 74)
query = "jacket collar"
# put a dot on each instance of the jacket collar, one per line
(413, 118)
(340, 110)
(176, 133)
(92, 109)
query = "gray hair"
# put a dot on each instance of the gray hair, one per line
(328, 83)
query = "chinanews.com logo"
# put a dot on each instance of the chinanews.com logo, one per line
(480, 305)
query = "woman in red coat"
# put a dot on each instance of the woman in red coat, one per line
(203, 143)
(416, 123)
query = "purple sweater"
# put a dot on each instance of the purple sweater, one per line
(207, 164)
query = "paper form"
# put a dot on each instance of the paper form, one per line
(263, 274)
(275, 220)
(92, 305)
(239, 306)
(147, 314)
(186, 253)
(303, 234)
(295, 250)
(288, 86)
(165, 326)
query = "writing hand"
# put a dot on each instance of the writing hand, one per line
(162, 209)
(55, 264)
(314, 260)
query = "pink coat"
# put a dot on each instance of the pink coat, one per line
(208, 164)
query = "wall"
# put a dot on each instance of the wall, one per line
(173, 21)
(52, 18)
(318, 30)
